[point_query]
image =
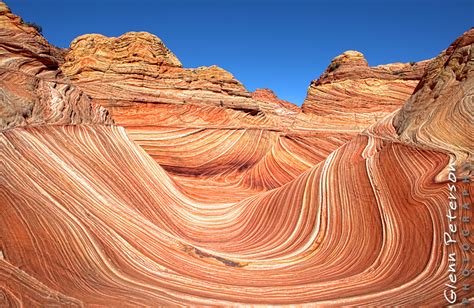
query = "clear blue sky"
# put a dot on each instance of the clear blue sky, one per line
(281, 45)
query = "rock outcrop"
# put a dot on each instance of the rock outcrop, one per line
(440, 114)
(352, 94)
(268, 96)
(138, 67)
(34, 91)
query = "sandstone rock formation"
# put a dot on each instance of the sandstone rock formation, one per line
(34, 91)
(126, 73)
(267, 95)
(137, 67)
(440, 114)
(174, 112)
(351, 94)
(103, 224)
(194, 202)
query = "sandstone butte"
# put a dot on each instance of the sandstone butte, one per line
(128, 180)
(350, 93)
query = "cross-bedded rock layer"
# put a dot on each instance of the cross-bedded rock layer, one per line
(323, 238)
(175, 113)
(197, 203)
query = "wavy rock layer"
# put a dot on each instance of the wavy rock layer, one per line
(202, 203)
(138, 240)
(440, 114)
(201, 124)
(175, 113)
(350, 93)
